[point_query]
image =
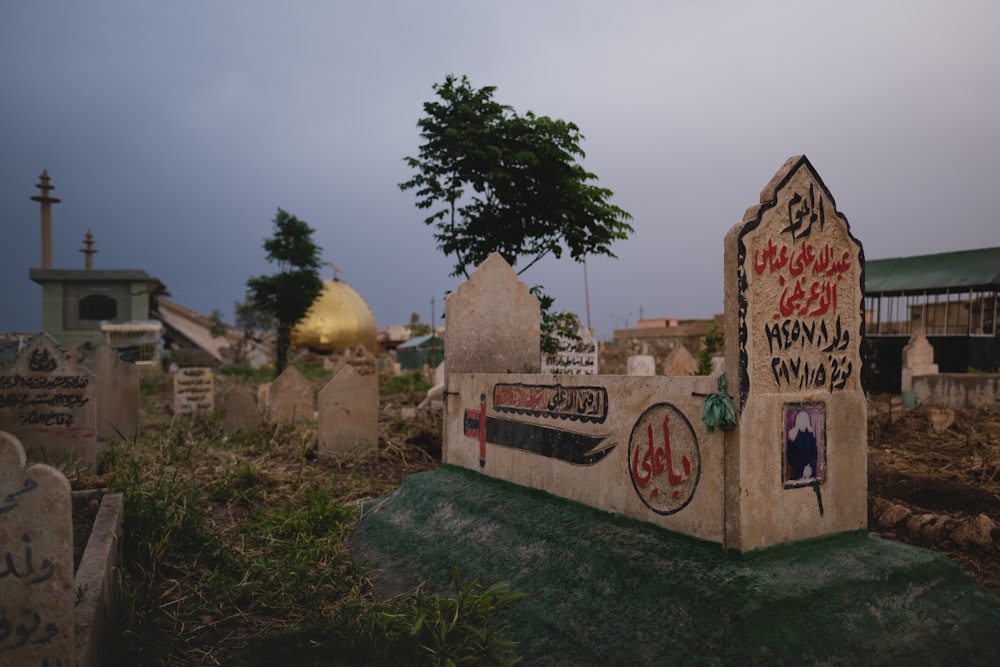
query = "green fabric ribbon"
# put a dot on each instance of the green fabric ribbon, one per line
(718, 409)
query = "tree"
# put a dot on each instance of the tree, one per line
(712, 343)
(287, 295)
(494, 180)
(416, 327)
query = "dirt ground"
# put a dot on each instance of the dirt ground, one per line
(934, 481)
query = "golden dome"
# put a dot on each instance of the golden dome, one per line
(339, 319)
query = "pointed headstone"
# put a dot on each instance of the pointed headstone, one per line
(240, 411)
(117, 385)
(364, 364)
(348, 413)
(680, 362)
(291, 398)
(493, 323)
(49, 404)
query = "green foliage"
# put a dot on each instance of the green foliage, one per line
(554, 325)
(216, 328)
(416, 327)
(461, 628)
(712, 343)
(287, 295)
(494, 180)
(413, 382)
(247, 372)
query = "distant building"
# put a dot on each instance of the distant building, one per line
(950, 297)
(81, 306)
(669, 327)
(420, 351)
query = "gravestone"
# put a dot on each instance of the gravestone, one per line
(194, 391)
(918, 360)
(364, 364)
(291, 398)
(240, 411)
(642, 365)
(797, 461)
(117, 391)
(49, 404)
(680, 362)
(573, 356)
(348, 413)
(493, 323)
(37, 625)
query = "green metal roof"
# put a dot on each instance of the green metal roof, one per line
(965, 269)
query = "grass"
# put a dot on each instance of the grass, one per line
(234, 552)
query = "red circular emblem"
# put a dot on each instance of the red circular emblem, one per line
(664, 459)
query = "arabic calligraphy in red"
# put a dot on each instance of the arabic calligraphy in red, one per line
(810, 286)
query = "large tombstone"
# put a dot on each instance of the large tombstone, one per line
(796, 465)
(49, 404)
(117, 384)
(574, 356)
(291, 398)
(194, 391)
(493, 323)
(348, 413)
(37, 624)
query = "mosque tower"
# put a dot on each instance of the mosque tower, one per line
(46, 201)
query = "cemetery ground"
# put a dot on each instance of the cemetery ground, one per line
(236, 547)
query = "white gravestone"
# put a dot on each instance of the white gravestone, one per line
(573, 356)
(194, 391)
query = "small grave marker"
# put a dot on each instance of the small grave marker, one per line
(240, 412)
(117, 391)
(291, 397)
(364, 364)
(348, 413)
(194, 391)
(574, 356)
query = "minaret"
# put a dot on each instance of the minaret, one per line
(89, 251)
(46, 201)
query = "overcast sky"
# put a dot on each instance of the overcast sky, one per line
(174, 130)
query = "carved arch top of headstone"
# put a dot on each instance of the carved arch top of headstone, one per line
(800, 289)
(493, 322)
